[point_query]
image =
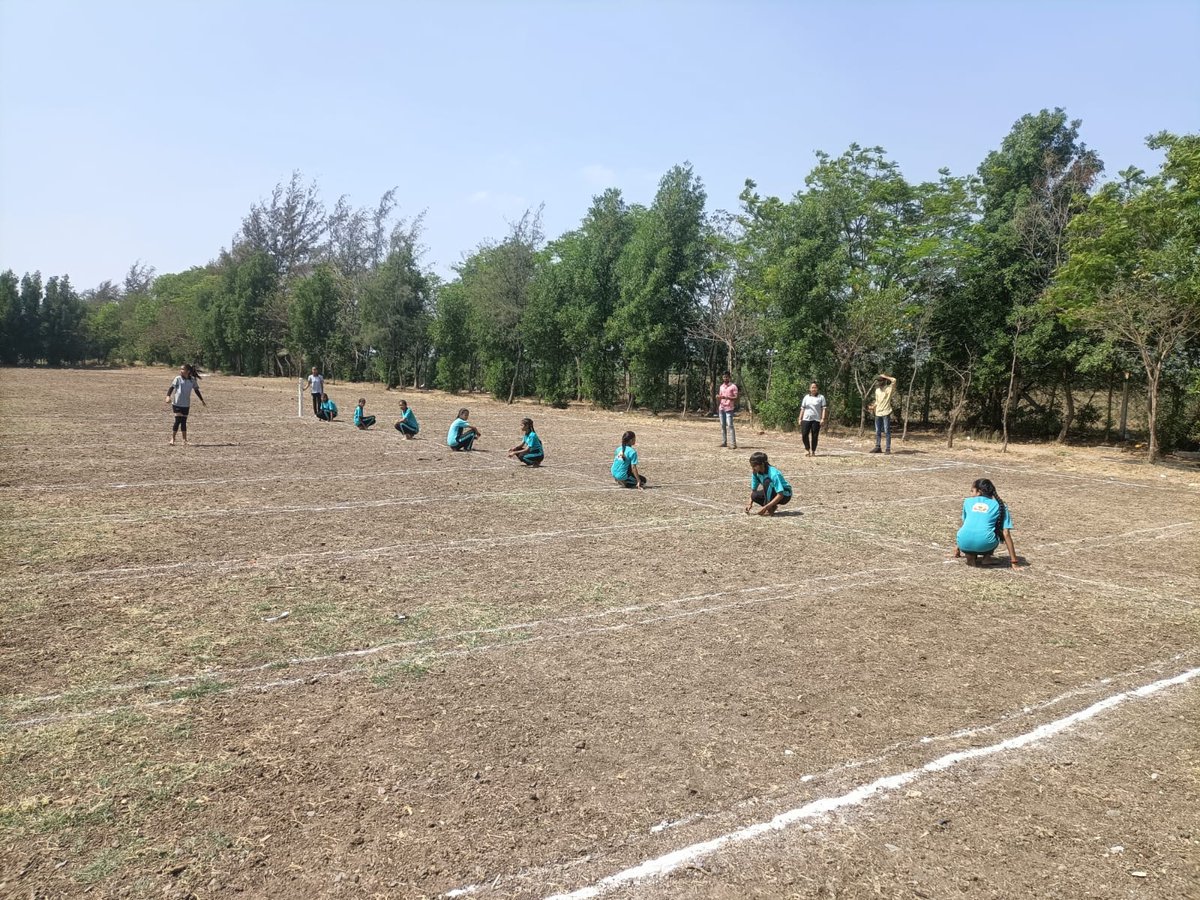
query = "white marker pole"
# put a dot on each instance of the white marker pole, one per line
(300, 391)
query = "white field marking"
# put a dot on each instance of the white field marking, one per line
(1095, 479)
(1125, 590)
(882, 756)
(1154, 533)
(532, 624)
(248, 479)
(463, 651)
(348, 505)
(401, 550)
(669, 862)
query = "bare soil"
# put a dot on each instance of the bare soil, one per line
(296, 659)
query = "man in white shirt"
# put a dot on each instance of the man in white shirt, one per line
(316, 386)
(813, 410)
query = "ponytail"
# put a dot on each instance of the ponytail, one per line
(987, 489)
(626, 439)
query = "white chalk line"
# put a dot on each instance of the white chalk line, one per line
(1127, 591)
(400, 550)
(670, 862)
(882, 756)
(210, 674)
(873, 580)
(1094, 479)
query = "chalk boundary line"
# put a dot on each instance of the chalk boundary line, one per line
(814, 809)
(774, 592)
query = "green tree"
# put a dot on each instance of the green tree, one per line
(313, 314)
(394, 313)
(660, 272)
(10, 317)
(1133, 270)
(62, 322)
(29, 341)
(452, 335)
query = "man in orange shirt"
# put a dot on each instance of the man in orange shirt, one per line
(728, 393)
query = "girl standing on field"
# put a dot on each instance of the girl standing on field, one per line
(179, 395)
(625, 464)
(985, 521)
(529, 451)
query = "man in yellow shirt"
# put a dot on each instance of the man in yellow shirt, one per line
(885, 387)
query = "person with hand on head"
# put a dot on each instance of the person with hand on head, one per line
(624, 468)
(986, 520)
(881, 406)
(462, 433)
(727, 394)
(407, 423)
(813, 411)
(768, 488)
(530, 450)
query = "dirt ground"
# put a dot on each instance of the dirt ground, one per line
(294, 659)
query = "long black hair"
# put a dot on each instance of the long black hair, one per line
(986, 489)
(626, 439)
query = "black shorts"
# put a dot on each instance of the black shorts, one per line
(181, 410)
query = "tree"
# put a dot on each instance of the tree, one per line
(452, 336)
(30, 345)
(62, 322)
(660, 272)
(1133, 271)
(394, 312)
(312, 315)
(10, 317)
(288, 228)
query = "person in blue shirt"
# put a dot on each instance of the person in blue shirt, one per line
(328, 409)
(768, 488)
(625, 464)
(529, 451)
(462, 433)
(361, 419)
(986, 521)
(407, 424)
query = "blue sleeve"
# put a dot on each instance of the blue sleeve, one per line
(1007, 517)
(631, 456)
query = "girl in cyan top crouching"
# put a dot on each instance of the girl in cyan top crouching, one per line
(625, 464)
(529, 451)
(986, 520)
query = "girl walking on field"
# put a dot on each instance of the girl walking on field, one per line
(625, 464)
(179, 395)
(529, 451)
(986, 520)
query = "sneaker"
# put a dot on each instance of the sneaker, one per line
(876, 450)
(722, 445)
(888, 452)
(733, 446)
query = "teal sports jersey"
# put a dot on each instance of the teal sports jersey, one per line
(772, 480)
(329, 406)
(455, 432)
(621, 463)
(534, 444)
(980, 517)
(408, 420)
(358, 415)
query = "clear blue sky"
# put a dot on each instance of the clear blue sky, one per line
(145, 130)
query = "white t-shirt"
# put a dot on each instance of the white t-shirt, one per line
(316, 384)
(812, 407)
(181, 391)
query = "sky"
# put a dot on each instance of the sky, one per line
(144, 130)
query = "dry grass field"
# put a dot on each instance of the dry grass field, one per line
(506, 683)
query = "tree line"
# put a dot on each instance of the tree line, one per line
(1009, 300)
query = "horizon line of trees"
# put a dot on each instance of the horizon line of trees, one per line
(998, 299)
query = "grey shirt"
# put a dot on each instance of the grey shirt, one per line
(812, 408)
